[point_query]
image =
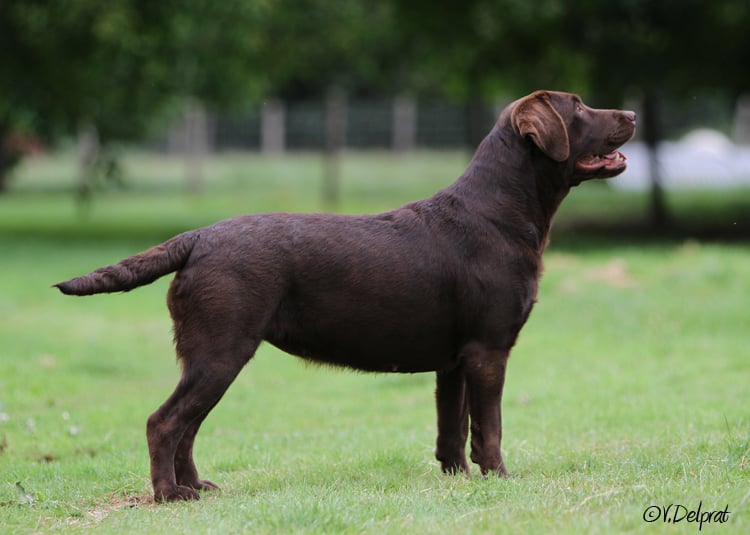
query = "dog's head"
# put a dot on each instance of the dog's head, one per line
(567, 131)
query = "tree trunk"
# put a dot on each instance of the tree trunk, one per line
(652, 134)
(8, 161)
(10, 156)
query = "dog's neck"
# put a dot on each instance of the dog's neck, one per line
(511, 192)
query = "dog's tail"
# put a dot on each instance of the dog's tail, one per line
(139, 270)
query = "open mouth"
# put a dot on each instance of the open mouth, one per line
(612, 163)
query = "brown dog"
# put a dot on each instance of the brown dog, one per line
(443, 284)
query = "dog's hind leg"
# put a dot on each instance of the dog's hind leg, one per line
(184, 466)
(485, 377)
(452, 421)
(210, 364)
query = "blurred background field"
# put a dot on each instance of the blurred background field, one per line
(152, 198)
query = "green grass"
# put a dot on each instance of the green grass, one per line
(628, 386)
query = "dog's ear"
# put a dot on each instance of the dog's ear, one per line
(534, 116)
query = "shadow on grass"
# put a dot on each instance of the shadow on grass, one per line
(610, 218)
(570, 234)
(93, 234)
(585, 234)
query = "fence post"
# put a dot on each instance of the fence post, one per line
(335, 129)
(272, 128)
(404, 123)
(88, 155)
(195, 144)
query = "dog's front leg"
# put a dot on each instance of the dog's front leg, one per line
(453, 421)
(485, 377)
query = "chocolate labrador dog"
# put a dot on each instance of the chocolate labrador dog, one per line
(439, 285)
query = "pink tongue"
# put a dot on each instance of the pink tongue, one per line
(594, 161)
(614, 155)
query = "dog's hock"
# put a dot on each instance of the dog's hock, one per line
(536, 118)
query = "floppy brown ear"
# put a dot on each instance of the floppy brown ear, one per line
(534, 116)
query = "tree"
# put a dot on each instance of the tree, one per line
(658, 50)
(121, 65)
(475, 51)
(650, 49)
(112, 69)
(117, 66)
(328, 50)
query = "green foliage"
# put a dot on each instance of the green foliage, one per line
(118, 63)
(310, 45)
(479, 48)
(603, 49)
(677, 48)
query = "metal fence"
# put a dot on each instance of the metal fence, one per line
(397, 124)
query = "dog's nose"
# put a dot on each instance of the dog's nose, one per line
(630, 116)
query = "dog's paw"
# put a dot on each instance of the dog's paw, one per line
(500, 472)
(197, 484)
(176, 494)
(204, 484)
(455, 467)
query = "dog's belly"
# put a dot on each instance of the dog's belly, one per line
(399, 360)
(360, 342)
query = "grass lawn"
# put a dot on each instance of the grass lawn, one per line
(628, 388)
